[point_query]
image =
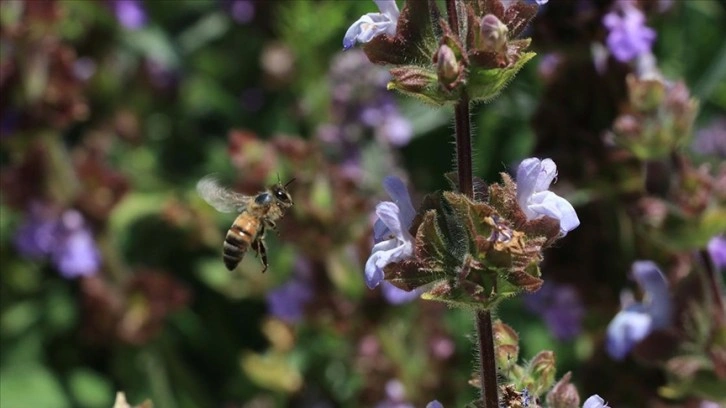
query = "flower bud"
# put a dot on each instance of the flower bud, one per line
(507, 345)
(541, 372)
(563, 394)
(493, 33)
(447, 67)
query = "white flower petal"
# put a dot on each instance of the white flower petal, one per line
(527, 173)
(626, 329)
(657, 301)
(396, 188)
(550, 204)
(374, 273)
(595, 401)
(372, 30)
(547, 173)
(389, 8)
(380, 231)
(389, 214)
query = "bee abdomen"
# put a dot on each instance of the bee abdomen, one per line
(235, 245)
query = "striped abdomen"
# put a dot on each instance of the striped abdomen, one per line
(240, 236)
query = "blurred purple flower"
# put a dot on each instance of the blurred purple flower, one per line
(36, 235)
(287, 302)
(442, 347)
(534, 177)
(711, 140)
(77, 255)
(561, 308)
(434, 404)
(371, 25)
(242, 11)
(361, 102)
(636, 320)
(629, 37)
(717, 251)
(395, 396)
(66, 239)
(595, 402)
(396, 129)
(396, 296)
(130, 13)
(548, 65)
(394, 219)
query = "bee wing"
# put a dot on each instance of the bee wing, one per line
(221, 198)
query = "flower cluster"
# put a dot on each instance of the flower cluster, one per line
(64, 237)
(628, 35)
(470, 251)
(432, 61)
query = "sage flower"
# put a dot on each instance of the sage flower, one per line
(595, 401)
(628, 35)
(65, 238)
(130, 13)
(372, 25)
(638, 319)
(394, 220)
(534, 177)
(717, 251)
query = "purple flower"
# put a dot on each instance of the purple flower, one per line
(242, 11)
(534, 177)
(561, 308)
(67, 240)
(396, 296)
(629, 37)
(395, 396)
(287, 302)
(595, 402)
(717, 251)
(636, 320)
(396, 129)
(34, 238)
(434, 404)
(130, 13)
(711, 140)
(371, 25)
(394, 219)
(77, 254)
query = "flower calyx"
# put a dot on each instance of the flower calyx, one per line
(436, 62)
(468, 253)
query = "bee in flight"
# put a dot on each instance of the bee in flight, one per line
(256, 214)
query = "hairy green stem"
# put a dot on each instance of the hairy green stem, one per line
(485, 334)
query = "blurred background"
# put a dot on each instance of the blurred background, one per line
(110, 263)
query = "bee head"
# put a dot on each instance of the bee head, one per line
(281, 195)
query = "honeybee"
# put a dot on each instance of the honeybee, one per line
(256, 214)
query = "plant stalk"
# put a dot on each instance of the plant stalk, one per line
(485, 333)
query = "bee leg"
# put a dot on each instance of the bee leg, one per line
(272, 225)
(259, 246)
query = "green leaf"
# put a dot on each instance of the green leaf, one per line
(485, 84)
(90, 389)
(30, 385)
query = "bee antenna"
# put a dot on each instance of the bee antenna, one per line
(289, 182)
